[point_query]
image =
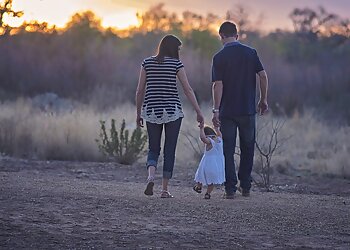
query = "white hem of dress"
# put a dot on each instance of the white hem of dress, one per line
(165, 118)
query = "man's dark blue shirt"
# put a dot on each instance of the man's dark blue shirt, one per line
(236, 66)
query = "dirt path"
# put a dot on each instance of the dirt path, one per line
(87, 206)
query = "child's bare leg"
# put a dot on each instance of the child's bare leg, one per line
(210, 188)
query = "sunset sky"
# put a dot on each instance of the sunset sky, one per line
(122, 13)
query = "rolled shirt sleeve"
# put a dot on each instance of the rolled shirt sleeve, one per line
(258, 65)
(143, 64)
(216, 70)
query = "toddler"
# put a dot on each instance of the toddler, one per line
(211, 169)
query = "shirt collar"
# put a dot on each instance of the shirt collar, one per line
(231, 44)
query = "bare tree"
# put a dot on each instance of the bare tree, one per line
(312, 23)
(267, 142)
(240, 15)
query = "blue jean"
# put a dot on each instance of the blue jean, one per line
(246, 129)
(154, 130)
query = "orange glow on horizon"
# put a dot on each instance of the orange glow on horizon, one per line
(121, 20)
(121, 15)
(51, 12)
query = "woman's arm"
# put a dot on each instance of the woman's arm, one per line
(181, 74)
(140, 95)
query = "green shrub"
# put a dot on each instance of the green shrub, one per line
(123, 149)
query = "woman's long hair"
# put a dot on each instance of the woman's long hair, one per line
(168, 46)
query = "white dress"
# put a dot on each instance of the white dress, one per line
(211, 169)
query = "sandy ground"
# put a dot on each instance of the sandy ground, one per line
(72, 205)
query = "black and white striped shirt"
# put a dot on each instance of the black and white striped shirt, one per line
(162, 103)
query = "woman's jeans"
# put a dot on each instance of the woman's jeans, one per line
(246, 129)
(154, 130)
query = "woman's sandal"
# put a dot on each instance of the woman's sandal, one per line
(207, 196)
(197, 189)
(166, 194)
(149, 187)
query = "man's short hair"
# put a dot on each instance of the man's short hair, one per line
(228, 29)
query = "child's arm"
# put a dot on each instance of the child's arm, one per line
(202, 135)
(218, 132)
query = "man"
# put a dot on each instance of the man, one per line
(234, 72)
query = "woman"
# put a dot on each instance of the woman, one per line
(158, 103)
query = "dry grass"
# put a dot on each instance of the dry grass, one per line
(28, 132)
(317, 146)
(314, 146)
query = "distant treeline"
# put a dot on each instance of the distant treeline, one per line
(308, 67)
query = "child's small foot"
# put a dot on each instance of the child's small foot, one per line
(197, 188)
(207, 196)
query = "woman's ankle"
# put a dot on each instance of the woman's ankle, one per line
(165, 183)
(150, 178)
(151, 171)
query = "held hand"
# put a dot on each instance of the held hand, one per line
(200, 119)
(139, 121)
(215, 120)
(263, 107)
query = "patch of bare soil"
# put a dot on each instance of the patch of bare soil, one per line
(75, 205)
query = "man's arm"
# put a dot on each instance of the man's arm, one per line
(263, 86)
(218, 132)
(217, 95)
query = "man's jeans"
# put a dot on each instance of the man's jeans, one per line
(154, 130)
(246, 129)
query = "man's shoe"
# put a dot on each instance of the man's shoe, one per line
(244, 192)
(229, 196)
